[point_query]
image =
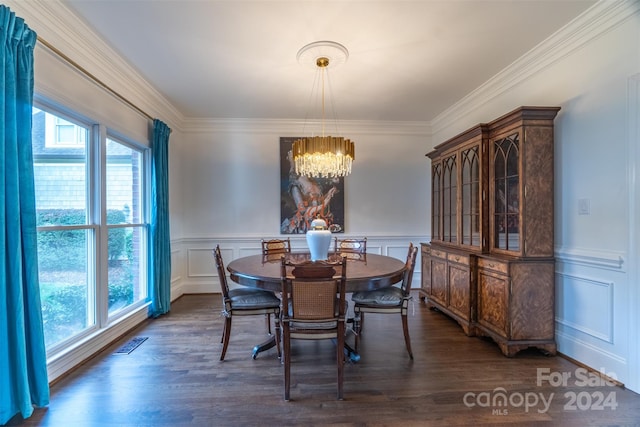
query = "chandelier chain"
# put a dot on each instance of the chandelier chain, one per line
(323, 156)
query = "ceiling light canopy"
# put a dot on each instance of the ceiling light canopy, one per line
(323, 156)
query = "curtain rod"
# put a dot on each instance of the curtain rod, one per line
(94, 78)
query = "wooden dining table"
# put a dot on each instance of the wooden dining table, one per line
(364, 272)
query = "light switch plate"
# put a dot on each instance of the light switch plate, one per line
(584, 207)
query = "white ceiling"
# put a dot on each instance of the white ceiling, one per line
(408, 60)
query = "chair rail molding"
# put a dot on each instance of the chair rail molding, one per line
(591, 258)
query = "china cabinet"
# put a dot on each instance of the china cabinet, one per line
(458, 224)
(490, 262)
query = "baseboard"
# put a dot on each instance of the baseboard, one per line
(593, 358)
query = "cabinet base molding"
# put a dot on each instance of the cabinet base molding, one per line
(466, 326)
(511, 348)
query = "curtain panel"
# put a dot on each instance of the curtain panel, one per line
(160, 251)
(23, 360)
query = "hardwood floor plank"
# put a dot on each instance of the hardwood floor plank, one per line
(175, 379)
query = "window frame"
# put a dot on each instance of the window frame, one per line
(145, 211)
(96, 221)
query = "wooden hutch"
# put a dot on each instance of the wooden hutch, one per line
(490, 264)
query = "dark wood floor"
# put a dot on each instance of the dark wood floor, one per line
(175, 379)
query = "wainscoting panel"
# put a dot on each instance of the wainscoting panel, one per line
(592, 309)
(195, 260)
(248, 251)
(200, 262)
(398, 251)
(585, 305)
(177, 270)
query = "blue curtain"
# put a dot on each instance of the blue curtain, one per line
(160, 253)
(23, 359)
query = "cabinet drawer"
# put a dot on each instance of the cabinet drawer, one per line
(458, 258)
(438, 254)
(491, 264)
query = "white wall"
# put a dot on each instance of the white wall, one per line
(231, 190)
(588, 70)
(232, 183)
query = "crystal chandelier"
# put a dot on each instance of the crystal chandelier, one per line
(323, 156)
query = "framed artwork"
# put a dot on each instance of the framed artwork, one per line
(302, 199)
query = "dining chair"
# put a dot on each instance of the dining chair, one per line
(358, 246)
(244, 302)
(276, 246)
(272, 250)
(352, 249)
(313, 308)
(392, 299)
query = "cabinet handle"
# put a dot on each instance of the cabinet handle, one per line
(491, 265)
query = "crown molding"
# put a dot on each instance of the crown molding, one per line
(54, 22)
(595, 21)
(297, 127)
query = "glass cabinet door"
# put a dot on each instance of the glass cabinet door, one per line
(506, 225)
(470, 209)
(450, 199)
(436, 213)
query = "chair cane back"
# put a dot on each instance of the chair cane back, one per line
(276, 246)
(314, 307)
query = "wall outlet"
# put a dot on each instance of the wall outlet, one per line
(584, 207)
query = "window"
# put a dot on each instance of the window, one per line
(91, 225)
(126, 265)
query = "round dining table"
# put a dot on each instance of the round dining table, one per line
(364, 272)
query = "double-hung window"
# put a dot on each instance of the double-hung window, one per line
(91, 188)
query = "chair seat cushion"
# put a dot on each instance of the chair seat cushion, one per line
(385, 297)
(253, 298)
(314, 325)
(332, 324)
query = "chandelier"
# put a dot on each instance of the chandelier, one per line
(323, 156)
